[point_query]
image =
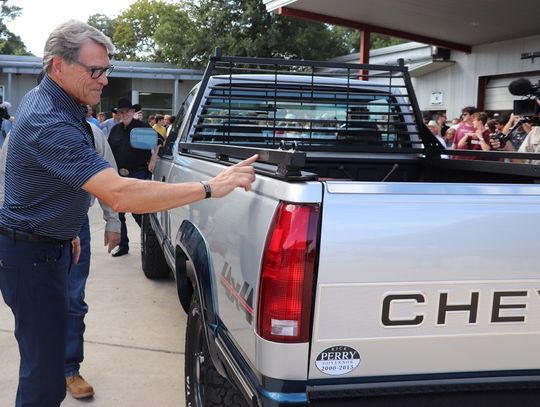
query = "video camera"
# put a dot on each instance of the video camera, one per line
(527, 108)
(501, 137)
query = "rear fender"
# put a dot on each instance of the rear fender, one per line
(195, 249)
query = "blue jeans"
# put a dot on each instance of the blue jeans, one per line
(124, 239)
(77, 308)
(33, 281)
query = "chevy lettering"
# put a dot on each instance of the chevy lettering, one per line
(470, 309)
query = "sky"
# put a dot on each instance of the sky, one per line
(38, 18)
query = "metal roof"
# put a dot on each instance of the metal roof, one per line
(122, 69)
(454, 24)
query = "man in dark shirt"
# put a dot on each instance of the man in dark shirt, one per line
(52, 168)
(131, 162)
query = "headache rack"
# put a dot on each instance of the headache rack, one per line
(319, 105)
(284, 109)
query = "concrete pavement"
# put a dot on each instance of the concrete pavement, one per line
(135, 332)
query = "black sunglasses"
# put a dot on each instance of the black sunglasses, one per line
(96, 71)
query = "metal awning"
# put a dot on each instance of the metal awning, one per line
(14, 64)
(453, 24)
(423, 68)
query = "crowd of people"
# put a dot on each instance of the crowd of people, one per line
(106, 120)
(475, 130)
(130, 162)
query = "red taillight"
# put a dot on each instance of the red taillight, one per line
(286, 288)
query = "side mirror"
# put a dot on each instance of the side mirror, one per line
(143, 138)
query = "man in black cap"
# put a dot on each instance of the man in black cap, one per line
(131, 162)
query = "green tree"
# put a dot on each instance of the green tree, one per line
(245, 28)
(140, 32)
(10, 44)
(187, 32)
(175, 30)
(103, 23)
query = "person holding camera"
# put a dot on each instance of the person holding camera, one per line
(530, 144)
(514, 130)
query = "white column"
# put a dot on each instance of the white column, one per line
(176, 97)
(135, 97)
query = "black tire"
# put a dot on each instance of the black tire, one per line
(153, 261)
(205, 387)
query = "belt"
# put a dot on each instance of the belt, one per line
(29, 237)
(124, 172)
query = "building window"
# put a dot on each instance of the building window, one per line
(156, 103)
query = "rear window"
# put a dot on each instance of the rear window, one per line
(268, 113)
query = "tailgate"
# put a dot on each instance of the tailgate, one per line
(426, 278)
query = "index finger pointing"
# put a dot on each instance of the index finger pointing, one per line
(248, 161)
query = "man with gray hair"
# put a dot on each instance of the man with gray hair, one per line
(78, 274)
(51, 170)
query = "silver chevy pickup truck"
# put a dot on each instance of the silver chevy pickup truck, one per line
(367, 266)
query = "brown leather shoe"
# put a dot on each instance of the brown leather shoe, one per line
(78, 387)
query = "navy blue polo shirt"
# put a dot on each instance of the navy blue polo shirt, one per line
(51, 155)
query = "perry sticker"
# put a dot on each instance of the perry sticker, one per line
(337, 360)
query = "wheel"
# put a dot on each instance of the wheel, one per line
(205, 387)
(153, 261)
